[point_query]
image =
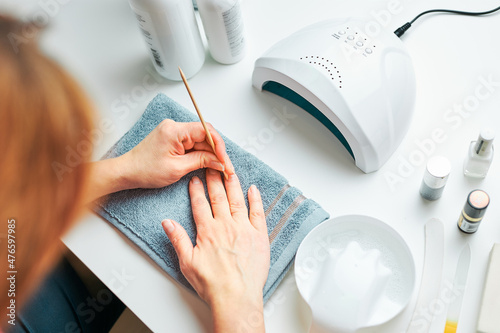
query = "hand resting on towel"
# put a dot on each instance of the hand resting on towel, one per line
(229, 265)
(169, 152)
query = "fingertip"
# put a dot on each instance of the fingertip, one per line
(195, 180)
(220, 145)
(178, 238)
(168, 226)
(220, 152)
(215, 135)
(254, 191)
(229, 166)
(257, 214)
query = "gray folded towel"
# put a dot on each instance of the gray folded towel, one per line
(138, 213)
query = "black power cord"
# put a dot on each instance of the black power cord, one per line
(401, 30)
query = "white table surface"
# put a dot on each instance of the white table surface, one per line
(100, 44)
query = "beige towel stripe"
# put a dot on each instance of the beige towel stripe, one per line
(275, 201)
(285, 217)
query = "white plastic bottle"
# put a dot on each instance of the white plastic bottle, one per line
(223, 25)
(172, 36)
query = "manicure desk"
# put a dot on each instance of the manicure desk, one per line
(458, 93)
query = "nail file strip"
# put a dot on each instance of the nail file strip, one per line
(432, 273)
(490, 305)
(457, 294)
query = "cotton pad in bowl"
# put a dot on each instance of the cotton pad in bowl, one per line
(354, 271)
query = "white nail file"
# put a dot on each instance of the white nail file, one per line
(459, 283)
(432, 273)
(489, 317)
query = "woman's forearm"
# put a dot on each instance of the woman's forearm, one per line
(106, 176)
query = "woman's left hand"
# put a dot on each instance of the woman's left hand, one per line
(229, 265)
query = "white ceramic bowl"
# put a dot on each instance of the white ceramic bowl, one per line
(354, 271)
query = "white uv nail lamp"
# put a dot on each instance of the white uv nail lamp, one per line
(361, 86)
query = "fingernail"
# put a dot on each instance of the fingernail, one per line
(254, 190)
(216, 165)
(232, 177)
(196, 180)
(168, 225)
(212, 171)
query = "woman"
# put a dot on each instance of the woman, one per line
(44, 116)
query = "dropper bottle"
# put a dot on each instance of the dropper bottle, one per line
(480, 155)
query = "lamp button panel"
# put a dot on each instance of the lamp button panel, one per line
(354, 41)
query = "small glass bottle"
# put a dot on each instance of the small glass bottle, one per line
(223, 25)
(473, 212)
(435, 177)
(480, 155)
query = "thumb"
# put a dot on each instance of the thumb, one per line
(179, 239)
(200, 159)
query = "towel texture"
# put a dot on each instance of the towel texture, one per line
(138, 213)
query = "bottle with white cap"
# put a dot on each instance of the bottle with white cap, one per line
(436, 175)
(480, 155)
(223, 24)
(172, 36)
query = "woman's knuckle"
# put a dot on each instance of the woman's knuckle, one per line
(203, 161)
(237, 205)
(257, 214)
(197, 201)
(166, 126)
(218, 198)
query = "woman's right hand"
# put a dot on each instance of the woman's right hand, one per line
(229, 265)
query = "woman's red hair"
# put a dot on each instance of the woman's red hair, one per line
(43, 115)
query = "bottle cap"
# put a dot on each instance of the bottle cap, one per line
(485, 141)
(476, 204)
(437, 172)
